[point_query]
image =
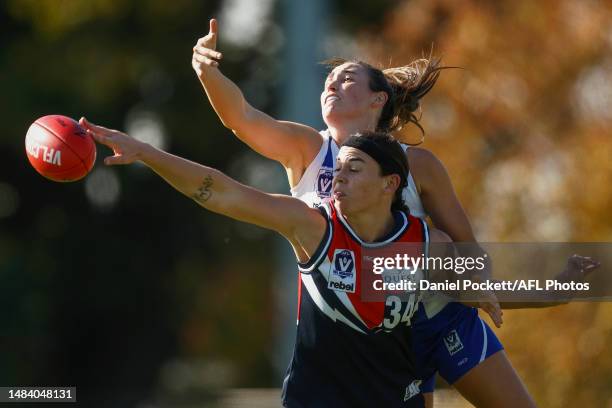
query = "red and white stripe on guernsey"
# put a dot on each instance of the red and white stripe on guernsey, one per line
(370, 314)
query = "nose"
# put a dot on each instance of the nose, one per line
(339, 177)
(332, 85)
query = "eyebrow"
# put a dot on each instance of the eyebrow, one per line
(353, 159)
(344, 71)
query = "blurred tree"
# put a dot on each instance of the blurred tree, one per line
(118, 285)
(524, 130)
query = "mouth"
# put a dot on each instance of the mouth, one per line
(331, 97)
(338, 195)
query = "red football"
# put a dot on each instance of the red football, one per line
(59, 148)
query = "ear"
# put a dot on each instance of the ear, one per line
(392, 183)
(380, 99)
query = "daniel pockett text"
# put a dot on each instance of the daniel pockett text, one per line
(489, 285)
(516, 272)
(396, 274)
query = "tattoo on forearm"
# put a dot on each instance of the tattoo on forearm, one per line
(204, 192)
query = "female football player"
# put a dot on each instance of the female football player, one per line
(358, 97)
(348, 352)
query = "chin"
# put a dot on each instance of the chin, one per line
(331, 116)
(346, 208)
(328, 117)
(343, 206)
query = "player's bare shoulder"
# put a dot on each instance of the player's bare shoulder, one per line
(424, 166)
(421, 158)
(308, 138)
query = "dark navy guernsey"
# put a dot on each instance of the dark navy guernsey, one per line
(350, 353)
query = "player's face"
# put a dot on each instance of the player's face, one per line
(357, 184)
(347, 93)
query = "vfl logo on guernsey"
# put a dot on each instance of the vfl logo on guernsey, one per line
(342, 275)
(453, 342)
(324, 182)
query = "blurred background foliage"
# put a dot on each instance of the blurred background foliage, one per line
(122, 287)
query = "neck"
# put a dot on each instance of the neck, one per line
(340, 132)
(367, 224)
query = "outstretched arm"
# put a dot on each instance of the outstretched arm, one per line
(292, 144)
(438, 195)
(215, 191)
(442, 205)
(576, 270)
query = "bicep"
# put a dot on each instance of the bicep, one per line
(440, 200)
(289, 143)
(441, 244)
(440, 247)
(286, 215)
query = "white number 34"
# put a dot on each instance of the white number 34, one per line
(398, 312)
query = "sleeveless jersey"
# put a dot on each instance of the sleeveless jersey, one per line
(315, 187)
(348, 352)
(447, 337)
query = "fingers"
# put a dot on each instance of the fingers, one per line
(105, 140)
(210, 39)
(583, 265)
(494, 312)
(116, 159)
(201, 59)
(213, 26)
(95, 128)
(126, 149)
(204, 52)
(492, 307)
(207, 52)
(87, 125)
(590, 267)
(98, 133)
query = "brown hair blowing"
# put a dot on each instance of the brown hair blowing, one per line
(405, 86)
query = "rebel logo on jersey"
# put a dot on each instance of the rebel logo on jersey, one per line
(342, 276)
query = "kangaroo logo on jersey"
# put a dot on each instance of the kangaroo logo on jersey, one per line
(342, 275)
(453, 342)
(324, 182)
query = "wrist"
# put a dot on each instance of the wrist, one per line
(205, 71)
(147, 153)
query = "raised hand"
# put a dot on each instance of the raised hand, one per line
(577, 268)
(126, 149)
(205, 54)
